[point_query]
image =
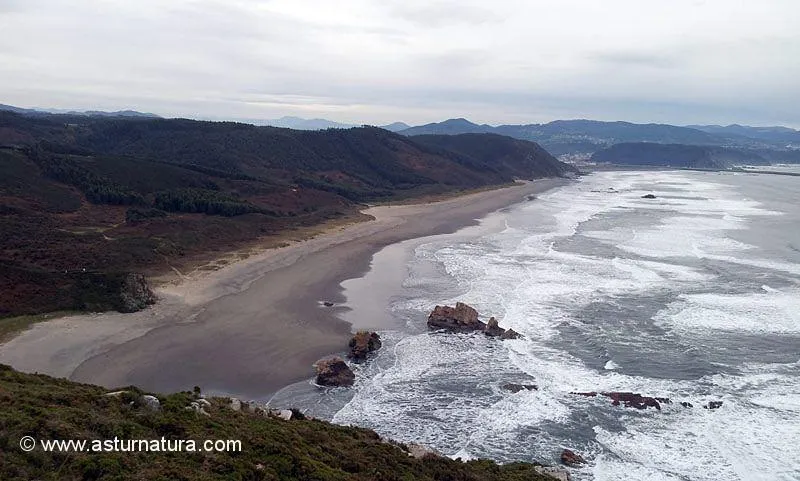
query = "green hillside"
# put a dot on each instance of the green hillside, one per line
(86, 200)
(271, 449)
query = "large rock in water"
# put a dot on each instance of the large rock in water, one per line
(334, 372)
(510, 334)
(571, 458)
(634, 400)
(493, 329)
(462, 318)
(363, 343)
(515, 388)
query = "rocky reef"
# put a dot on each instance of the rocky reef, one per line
(334, 372)
(464, 318)
(638, 401)
(362, 344)
(571, 458)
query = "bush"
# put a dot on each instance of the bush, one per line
(133, 216)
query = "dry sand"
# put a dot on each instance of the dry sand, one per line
(252, 327)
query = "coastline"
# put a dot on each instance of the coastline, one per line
(254, 326)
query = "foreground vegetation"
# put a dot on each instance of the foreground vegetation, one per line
(272, 449)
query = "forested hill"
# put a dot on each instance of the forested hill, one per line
(84, 200)
(492, 151)
(366, 160)
(676, 155)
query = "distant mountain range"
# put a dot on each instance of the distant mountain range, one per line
(452, 127)
(589, 136)
(396, 126)
(88, 113)
(580, 139)
(772, 134)
(298, 123)
(707, 146)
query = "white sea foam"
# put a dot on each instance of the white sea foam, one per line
(774, 312)
(443, 390)
(739, 441)
(420, 397)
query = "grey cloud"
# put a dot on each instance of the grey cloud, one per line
(444, 13)
(454, 62)
(633, 59)
(498, 61)
(11, 6)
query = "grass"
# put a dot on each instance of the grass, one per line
(425, 198)
(216, 261)
(272, 449)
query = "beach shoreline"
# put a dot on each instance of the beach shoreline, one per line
(254, 326)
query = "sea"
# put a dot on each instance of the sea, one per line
(693, 296)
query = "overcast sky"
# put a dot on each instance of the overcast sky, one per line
(378, 61)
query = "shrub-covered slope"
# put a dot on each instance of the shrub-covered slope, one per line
(272, 449)
(108, 196)
(488, 152)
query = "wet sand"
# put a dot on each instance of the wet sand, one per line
(252, 327)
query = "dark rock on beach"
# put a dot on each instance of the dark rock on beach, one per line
(571, 458)
(135, 294)
(334, 372)
(363, 343)
(713, 405)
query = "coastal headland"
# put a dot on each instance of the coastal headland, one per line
(249, 328)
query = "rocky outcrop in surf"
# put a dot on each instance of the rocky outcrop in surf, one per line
(334, 372)
(636, 400)
(464, 318)
(571, 458)
(363, 343)
(515, 388)
(629, 399)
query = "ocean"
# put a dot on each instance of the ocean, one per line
(692, 296)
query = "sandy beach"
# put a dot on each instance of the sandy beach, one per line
(252, 327)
